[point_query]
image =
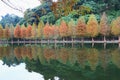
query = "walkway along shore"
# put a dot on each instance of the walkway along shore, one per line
(62, 42)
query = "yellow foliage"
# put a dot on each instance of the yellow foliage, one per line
(92, 26)
(40, 29)
(115, 27)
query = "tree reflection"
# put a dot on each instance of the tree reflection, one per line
(65, 63)
(49, 54)
(104, 58)
(116, 57)
(81, 57)
(92, 58)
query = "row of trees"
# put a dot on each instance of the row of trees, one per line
(48, 31)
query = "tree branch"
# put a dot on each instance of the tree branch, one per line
(11, 6)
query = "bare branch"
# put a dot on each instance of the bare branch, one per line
(12, 6)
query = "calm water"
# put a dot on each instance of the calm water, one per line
(35, 62)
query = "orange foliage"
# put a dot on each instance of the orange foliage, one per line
(29, 31)
(63, 29)
(81, 27)
(17, 32)
(23, 32)
(47, 31)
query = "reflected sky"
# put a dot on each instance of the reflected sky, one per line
(17, 73)
(35, 62)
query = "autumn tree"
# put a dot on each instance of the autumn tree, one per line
(23, 32)
(40, 30)
(115, 27)
(71, 29)
(29, 31)
(11, 31)
(104, 28)
(92, 26)
(1, 32)
(17, 32)
(6, 32)
(55, 32)
(34, 31)
(47, 31)
(63, 29)
(81, 27)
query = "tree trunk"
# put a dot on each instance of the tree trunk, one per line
(55, 43)
(35, 41)
(72, 42)
(104, 42)
(12, 41)
(92, 42)
(119, 41)
(30, 41)
(18, 41)
(24, 40)
(41, 41)
(104, 39)
(48, 42)
(7, 41)
(82, 40)
(63, 41)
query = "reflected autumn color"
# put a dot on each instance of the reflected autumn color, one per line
(81, 55)
(116, 57)
(91, 57)
(105, 58)
(63, 61)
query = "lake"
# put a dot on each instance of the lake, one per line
(46, 62)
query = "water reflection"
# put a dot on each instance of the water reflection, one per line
(65, 63)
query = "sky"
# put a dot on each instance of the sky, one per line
(24, 4)
(17, 73)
